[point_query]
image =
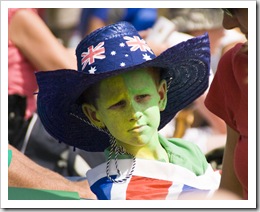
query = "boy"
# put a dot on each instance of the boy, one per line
(119, 98)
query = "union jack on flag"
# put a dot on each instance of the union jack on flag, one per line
(92, 54)
(137, 43)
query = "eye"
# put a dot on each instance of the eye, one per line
(117, 105)
(143, 97)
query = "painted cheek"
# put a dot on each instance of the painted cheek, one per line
(153, 114)
(115, 122)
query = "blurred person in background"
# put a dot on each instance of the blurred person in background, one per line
(228, 99)
(33, 47)
(62, 22)
(91, 19)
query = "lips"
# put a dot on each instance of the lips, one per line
(137, 128)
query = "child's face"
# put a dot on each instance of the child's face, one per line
(129, 106)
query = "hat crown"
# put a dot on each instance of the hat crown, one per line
(112, 47)
(107, 32)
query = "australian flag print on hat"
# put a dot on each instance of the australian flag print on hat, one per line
(104, 55)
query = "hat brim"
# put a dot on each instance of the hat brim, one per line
(186, 69)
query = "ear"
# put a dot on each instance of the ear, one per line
(91, 112)
(162, 91)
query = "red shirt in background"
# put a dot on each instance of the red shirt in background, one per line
(228, 99)
(21, 78)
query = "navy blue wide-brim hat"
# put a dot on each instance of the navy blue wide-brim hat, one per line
(109, 51)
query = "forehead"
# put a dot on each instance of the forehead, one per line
(136, 79)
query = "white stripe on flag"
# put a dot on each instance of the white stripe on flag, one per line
(118, 190)
(158, 170)
(174, 191)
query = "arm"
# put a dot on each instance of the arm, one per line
(34, 39)
(229, 179)
(23, 172)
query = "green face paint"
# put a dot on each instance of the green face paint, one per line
(129, 107)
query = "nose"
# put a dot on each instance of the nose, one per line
(136, 116)
(135, 111)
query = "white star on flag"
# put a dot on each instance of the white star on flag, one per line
(146, 57)
(113, 53)
(122, 64)
(92, 70)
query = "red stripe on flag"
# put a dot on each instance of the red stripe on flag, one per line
(143, 188)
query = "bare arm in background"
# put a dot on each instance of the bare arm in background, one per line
(35, 40)
(229, 179)
(24, 173)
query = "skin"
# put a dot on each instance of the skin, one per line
(37, 43)
(229, 180)
(129, 107)
(239, 19)
(24, 173)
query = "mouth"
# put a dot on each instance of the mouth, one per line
(137, 128)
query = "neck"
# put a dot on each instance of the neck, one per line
(152, 151)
